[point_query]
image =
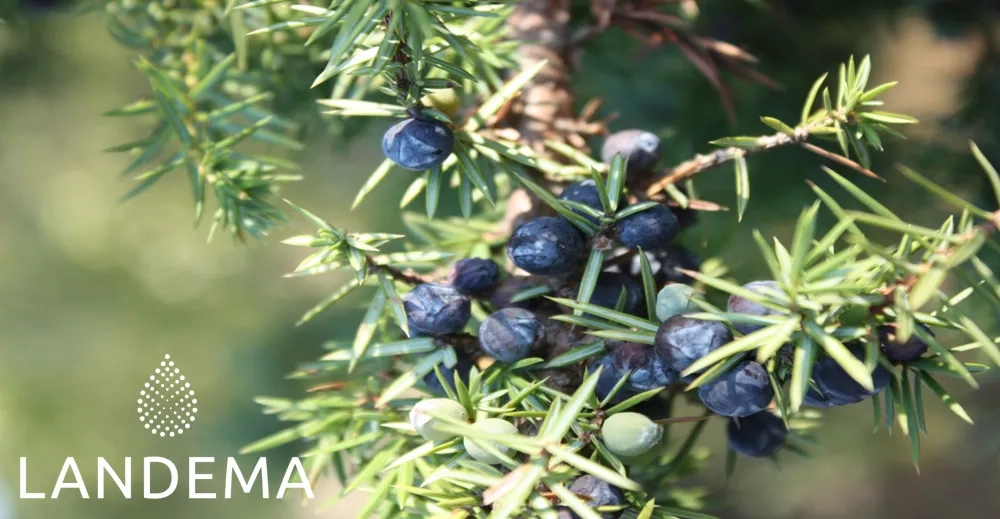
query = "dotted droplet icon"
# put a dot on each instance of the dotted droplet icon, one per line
(163, 411)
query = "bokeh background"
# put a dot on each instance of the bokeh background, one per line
(93, 293)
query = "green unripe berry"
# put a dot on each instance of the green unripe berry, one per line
(424, 413)
(676, 299)
(630, 434)
(857, 315)
(444, 101)
(489, 426)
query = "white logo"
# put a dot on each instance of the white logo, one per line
(166, 402)
(166, 408)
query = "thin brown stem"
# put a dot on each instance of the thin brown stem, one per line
(700, 163)
(409, 277)
(402, 79)
(844, 161)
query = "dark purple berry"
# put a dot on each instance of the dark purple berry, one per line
(546, 246)
(510, 287)
(681, 340)
(837, 388)
(597, 493)
(474, 275)
(609, 379)
(583, 192)
(758, 435)
(609, 288)
(640, 148)
(648, 370)
(740, 392)
(462, 368)
(815, 399)
(418, 143)
(651, 229)
(565, 513)
(899, 352)
(738, 305)
(528, 428)
(686, 217)
(434, 309)
(508, 335)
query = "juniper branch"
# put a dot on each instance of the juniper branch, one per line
(409, 276)
(701, 163)
(542, 29)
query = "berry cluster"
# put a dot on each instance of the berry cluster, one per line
(548, 253)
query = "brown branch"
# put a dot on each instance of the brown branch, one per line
(700, 163)
(541, 27)
(844, 161)
(409, 277)
(402, 79)
(698, 205)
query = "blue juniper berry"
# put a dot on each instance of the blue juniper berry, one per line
(681, 340)
(901, 351)
(435, 309)
(509, 334)
(511, 286)
(609, 288)
(418, 143)
(739, 305)
(651, 229)
(609, 379)
(472, 276)
(740, 392)
(648, 370)
(640, 148)
(546, 246)
(462, 368)
(597, 493)
(584, 192)
(565, 513)
(836, 387)
(758, 435)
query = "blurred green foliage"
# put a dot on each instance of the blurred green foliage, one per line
(93, 293)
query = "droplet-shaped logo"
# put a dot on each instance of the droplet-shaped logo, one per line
(166, 402)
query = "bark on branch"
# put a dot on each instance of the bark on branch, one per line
(700, 163)
(541, 27)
